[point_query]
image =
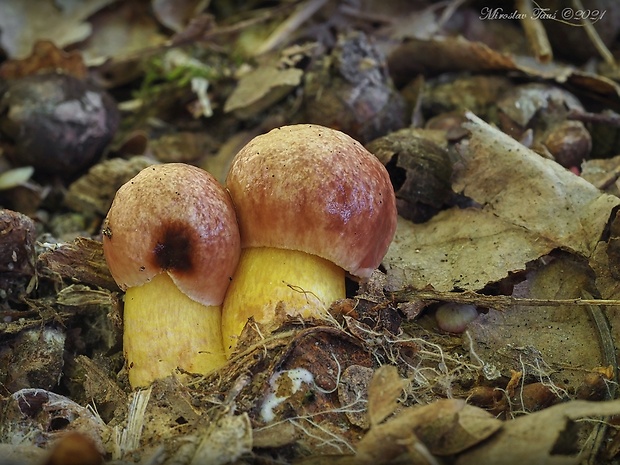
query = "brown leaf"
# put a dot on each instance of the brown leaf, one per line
(530, 339)
(460, 248)
(385, 388)
(445, 427)
(45, 56)
(500, 173)
(459, 54)
(353, 388)
(418, 55)
(545, 437)
(121, 34)
(260, 89)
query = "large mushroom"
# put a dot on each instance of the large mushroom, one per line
(312, 204)
(171, 242)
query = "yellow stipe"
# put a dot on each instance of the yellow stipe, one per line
(305, 284)
(164, 329)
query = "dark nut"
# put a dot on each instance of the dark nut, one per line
(57, 123)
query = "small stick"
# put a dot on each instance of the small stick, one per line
(292, 23)
(535, 32)
(497, 302)
(601, 48)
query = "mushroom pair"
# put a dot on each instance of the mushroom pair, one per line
(305, 204)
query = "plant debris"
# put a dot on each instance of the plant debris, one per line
(488, 334)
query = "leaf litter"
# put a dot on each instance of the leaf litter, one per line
(528, 242)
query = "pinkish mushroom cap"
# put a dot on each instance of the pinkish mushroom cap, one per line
(314, 189)
(176, 219)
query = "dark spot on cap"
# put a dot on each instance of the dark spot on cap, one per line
(173, 249)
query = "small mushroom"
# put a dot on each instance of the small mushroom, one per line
(311, 203)
(454, 318)
(171, 242)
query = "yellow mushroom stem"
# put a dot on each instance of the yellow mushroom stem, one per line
(165, 329)
(304, 284)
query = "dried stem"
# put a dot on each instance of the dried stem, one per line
(497, 302)
(535, 32)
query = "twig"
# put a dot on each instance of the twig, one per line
(292, 23)
(535, 32)
(608, 350)
(610, 119)
(498, 302)
(601, 48)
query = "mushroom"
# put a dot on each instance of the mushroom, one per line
(171, 242)
(312, 204)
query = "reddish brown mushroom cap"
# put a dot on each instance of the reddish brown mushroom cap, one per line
(178, 219)
(317, 190)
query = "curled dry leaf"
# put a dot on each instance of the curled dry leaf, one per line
(529, 206)
(419, 168)
(439, 54)
(500, 173)
(260, 89)
(545, 437)
(417, 55)
(445, 427)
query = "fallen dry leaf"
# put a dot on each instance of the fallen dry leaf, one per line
(548, 344)
(45, 56)
(542, 438)
(459, 249)
(530, 206)
(23, 22)
(175, 14)
(386, 386)
(261, 88)
(603, 174)
(445, 427)
(118, 34)
(457, 53)
(530, 191)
